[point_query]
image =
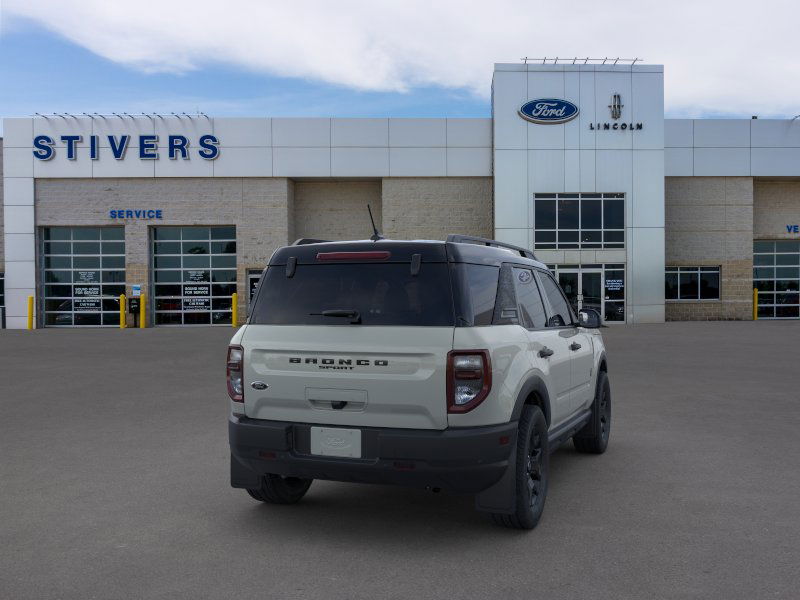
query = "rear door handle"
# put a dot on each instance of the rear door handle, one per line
(574, 346)
(545, 352)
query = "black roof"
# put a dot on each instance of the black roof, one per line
(456, 249)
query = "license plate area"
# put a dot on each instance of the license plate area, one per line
(334, 441)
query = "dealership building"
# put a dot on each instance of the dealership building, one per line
(645, 218)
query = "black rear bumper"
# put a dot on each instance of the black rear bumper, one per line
(466, 460)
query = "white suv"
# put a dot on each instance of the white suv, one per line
(454, 365)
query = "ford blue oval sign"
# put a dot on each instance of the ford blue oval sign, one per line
(548, 111)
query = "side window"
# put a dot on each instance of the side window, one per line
(561, 314)
(529, 300)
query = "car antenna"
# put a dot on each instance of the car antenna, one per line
(377, 235)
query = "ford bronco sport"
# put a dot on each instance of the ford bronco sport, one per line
(454, 365)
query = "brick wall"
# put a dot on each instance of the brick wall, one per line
(259, 207)
(709, 222)
(430, 208)
(776, 204)
(335, 210)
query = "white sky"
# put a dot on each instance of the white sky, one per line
(720, 56)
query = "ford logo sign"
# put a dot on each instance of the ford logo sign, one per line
(548, 111)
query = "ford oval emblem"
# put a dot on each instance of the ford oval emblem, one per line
(548, 111)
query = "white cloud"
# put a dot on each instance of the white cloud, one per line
(720, 56)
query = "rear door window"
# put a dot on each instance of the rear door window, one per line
(561, 314)
(529, 300)
(382, 294)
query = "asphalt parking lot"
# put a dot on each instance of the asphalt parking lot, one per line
(114, 483)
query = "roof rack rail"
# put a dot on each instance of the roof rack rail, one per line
(468, 239)
(304, 241)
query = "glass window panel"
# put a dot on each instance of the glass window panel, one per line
(221, 318)
(787, 246)
(86, 262)
(767, 298)
(87, 276)
(196, 318)
(671, 286)
(58, 276)
(57, 304)
(222, 304)
(787, 312)
(57, 233)
(223, 261)
(529, 299)
(544, 236)
(709, 285)
(112, 233)
(86, 318)
(86, 248)
(111, 318)
(223, 233)
(167, 233)
(197, 261)
(224, 276)
(786, 298)
(167, 248)
(58, 291)
(615, 311)
(223, 289)
(591, 214)
(167, 276)
(195, 233)
(614, 236)
(223, 247)
(113, 276)
(787, 272)
(786, 285)
(166, 262)
(568, 214)
(57, 248)
(591, 239)
(169, 304)
(111, 304)
(168, 318)
(113, 290)
(113, 262)
(764, 273)
(764, 286)
(113, 247)
(766, 312)
(86, 233)
(56, 319)
(787, 259)
(195, 275)
(57, 262)
(689, 286)
(561, 315)
(760, 246)
(763, 259)
(168, 290)
(545, 214)
(613, 214)
(195, 247)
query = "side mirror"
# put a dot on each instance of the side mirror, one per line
(590, 318)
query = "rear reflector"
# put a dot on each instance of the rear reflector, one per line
(368, 255)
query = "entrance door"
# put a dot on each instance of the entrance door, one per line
(583, 288)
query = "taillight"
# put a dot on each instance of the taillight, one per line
(469, 379)
(235, 373)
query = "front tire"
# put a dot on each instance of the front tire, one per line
(532, 469)
(280, 490)
(593, 438)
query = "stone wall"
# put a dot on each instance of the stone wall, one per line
(709, 222)
(260, 208)
(336, 210)
(776, 204)
(430, 208)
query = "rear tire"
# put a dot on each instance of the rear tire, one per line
(280, 490)
(532, 468)
(593, 438)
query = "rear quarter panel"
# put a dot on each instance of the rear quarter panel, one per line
(508, 346)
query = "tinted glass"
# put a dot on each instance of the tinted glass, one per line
(560, 309)
(613, 214)
(591, 214)
(545, 214)
(567, 214)
(709, 286)
(671, 286)
(478, 285)
(529, 299)
(688, 286)
(383, 294)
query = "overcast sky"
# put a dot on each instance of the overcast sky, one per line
(374, 58)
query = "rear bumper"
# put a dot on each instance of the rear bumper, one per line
(465, 460)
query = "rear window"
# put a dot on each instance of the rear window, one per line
(382, 294)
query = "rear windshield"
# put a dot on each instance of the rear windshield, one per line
(381, 294)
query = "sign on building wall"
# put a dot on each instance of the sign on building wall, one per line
(150, 146)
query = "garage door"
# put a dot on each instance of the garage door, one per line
(776, 274)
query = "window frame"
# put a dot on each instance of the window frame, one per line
(697, 270)
(580, 199)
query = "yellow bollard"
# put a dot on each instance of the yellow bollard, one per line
(30, 312)
(142, 312)
(122, 323)
(234, 309)
(755, 304)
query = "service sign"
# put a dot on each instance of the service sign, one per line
(192, 304)
(548, 111)
(86, 304)
(196, 290)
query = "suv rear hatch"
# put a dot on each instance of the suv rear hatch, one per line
(351, 334)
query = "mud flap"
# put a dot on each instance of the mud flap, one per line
(243, 476)
(502, 496)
